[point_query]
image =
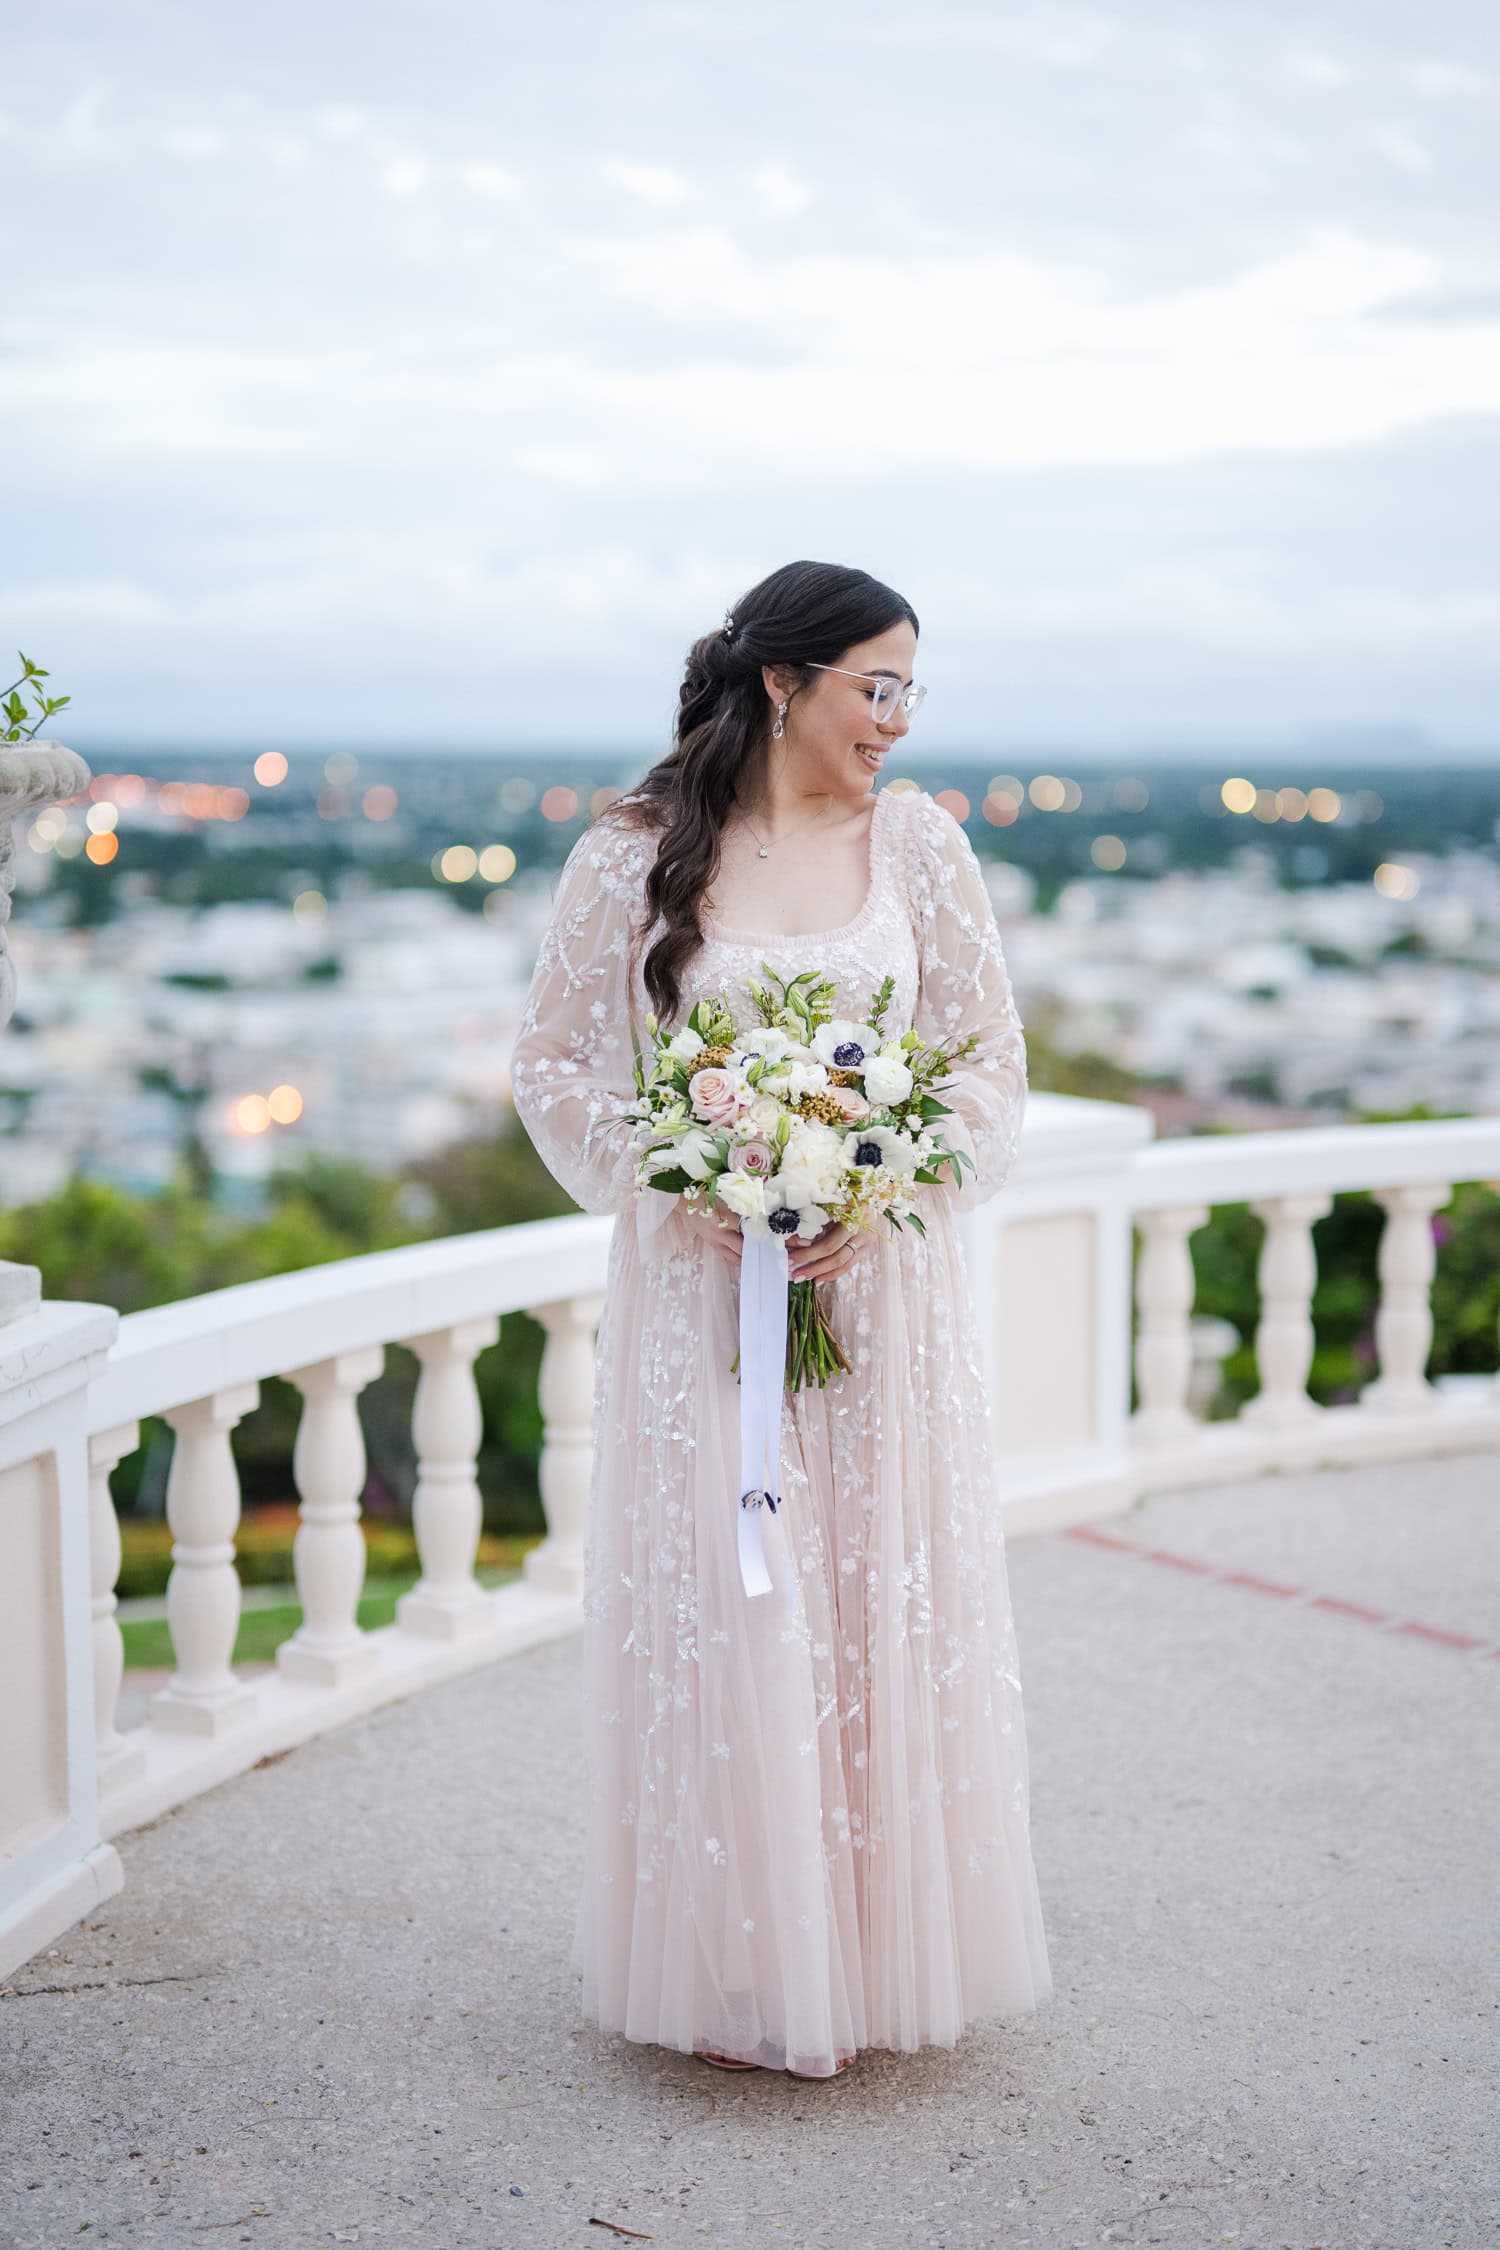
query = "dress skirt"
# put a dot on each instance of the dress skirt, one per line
(807, 1811)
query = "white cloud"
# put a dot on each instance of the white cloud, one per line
(981, 362)
(1002, 364)
(1443, 79)
(567, 464)
(650, 183)
(779, 191)
(285, 152)
(1311, 69)
(340, 121)
(486, 178)
(196, 143)
(1403, 149)
(1231, 606)
(406, 175)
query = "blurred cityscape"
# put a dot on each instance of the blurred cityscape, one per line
(261, 958)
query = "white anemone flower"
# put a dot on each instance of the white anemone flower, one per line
(844, 1044)
(761, 1039)
(872, 1146)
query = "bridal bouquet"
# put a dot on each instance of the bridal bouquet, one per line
(807, 1117)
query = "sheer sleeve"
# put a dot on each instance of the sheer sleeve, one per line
(571, 1067)
(964, 986)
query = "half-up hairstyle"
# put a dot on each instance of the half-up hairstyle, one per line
(806, 613)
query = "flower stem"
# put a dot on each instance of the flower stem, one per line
(813, 1352)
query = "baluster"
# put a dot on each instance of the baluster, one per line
(448, 1603)
(1403, 1324)
(1164, 1290)
(328, 1555)
(1288, 1274)
(566, 1392)
(203, 1593)
(121, 1757)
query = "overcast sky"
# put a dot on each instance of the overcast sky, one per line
(434, 373)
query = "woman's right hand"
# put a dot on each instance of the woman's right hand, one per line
(721, 1233)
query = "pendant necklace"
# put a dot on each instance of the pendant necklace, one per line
(765, 849)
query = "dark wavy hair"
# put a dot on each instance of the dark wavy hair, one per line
(805, 613)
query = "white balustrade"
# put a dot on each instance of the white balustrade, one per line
(122, 1759)
(1284, 1339)
(1164, 1291)
(203, 1695)
(328, 1554)
(566, 1393)
(448, 1603)
(201, 1364)
(1403, 1323)
(55, 1862)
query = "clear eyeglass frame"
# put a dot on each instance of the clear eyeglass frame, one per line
(888, 692)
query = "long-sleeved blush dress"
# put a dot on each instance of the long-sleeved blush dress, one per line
(808, 1812)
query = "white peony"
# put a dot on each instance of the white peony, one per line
(741, 1193)
(886, 1079)
(812, 1165)
(684, 1046)
(805, 1078)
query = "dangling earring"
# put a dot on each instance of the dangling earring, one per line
(779, 730)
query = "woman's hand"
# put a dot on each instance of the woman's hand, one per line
(828, 1254)
(722, 1234)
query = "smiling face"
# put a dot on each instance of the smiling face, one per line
(832, 743)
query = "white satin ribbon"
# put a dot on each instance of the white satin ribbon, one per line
(764, 1295)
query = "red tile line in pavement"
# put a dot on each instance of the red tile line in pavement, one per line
(1468, 1644)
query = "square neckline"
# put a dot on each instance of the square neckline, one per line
(715, 928)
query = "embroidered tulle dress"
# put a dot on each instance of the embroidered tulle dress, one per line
(808, 1813)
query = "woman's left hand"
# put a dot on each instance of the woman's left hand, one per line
(827, 1254)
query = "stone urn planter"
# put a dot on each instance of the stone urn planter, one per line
(31, 774)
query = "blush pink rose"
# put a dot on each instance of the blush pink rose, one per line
(716, 1095)
(758, 1158)
(851, 1101)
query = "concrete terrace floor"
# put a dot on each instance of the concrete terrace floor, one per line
(333, 2003)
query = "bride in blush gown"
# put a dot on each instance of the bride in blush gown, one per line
(808, 1814)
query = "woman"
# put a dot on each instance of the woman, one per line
(808, 1813)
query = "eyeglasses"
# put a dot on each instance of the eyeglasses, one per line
(888, 692)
